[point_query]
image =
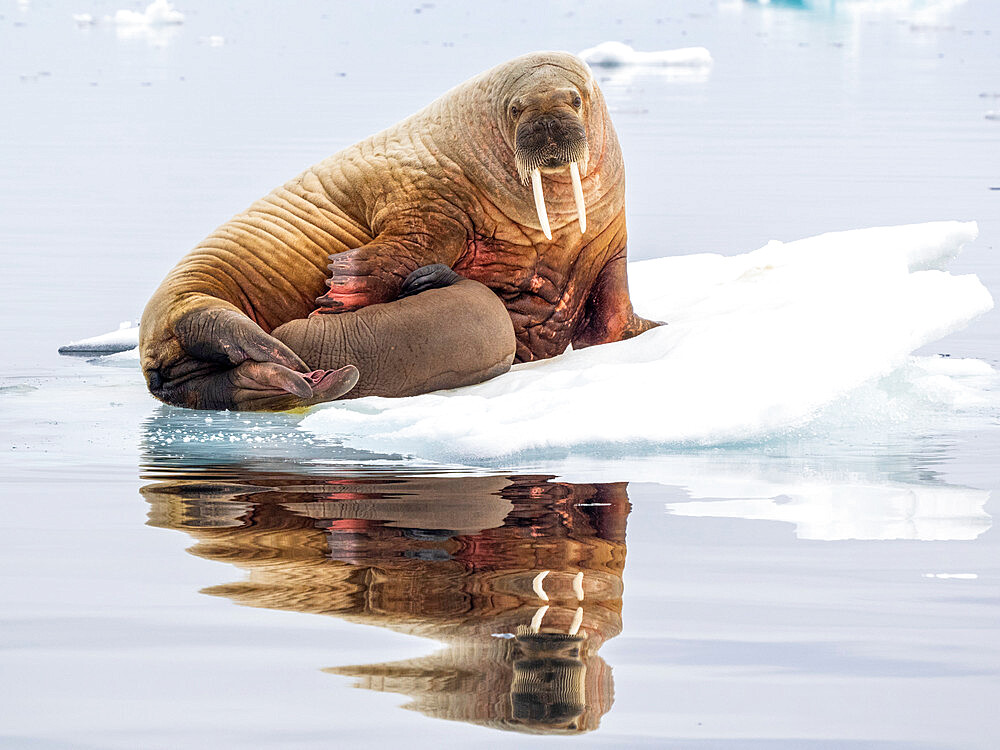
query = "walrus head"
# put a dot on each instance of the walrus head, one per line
(546, 115)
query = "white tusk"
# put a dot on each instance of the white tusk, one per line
(536, 584)
(536, 621)
(536, 190)
(581, 207)
(574, 627)
(578, 585)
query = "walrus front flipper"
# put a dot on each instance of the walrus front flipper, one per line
(407, 240)
(357, 279)
(608, 313)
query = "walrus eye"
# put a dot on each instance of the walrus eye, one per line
(577, 102)
(514, 112)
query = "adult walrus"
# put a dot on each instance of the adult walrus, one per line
(236, 324)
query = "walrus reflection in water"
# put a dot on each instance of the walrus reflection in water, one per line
(500, 209)
(520, 577)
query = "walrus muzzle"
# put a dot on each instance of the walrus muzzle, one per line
(551, 141)
(549, 685)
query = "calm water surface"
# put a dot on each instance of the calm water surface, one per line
(173, 579)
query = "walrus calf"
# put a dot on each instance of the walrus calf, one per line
(240, 323)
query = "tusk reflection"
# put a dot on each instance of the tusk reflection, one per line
(536, 585)
(578, 585)
(536, 621)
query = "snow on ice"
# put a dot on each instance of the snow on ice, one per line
(757, 345)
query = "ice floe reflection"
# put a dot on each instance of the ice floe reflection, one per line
(834, 510)
(863, 490)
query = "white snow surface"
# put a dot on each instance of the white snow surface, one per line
(613, 54)
(757, 346)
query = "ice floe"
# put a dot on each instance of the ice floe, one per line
(124, 339)
(758, 346)
(613, 54)
(803, 339)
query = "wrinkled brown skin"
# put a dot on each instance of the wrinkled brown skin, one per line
(412, 345)
(439, 187)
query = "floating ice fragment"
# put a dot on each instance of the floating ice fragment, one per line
(213, 41)
(613, 54)
(157, 13)
(84, 19)
(124, 339)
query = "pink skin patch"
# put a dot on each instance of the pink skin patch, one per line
(335, 382)
(343, 302)
(316, 376)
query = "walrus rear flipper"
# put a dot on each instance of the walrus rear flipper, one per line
(258, 386)
(455, 332)
(217, 358)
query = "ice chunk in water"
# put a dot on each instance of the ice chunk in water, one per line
(124, 339)
(612, 54)
(157, 13)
